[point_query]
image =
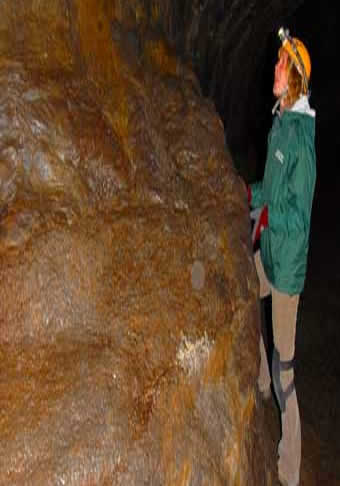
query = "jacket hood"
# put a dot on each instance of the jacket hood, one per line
(302, 106)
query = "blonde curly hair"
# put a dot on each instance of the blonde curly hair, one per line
(296, 86)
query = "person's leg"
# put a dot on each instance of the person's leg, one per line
(264, 379)
(284, 311)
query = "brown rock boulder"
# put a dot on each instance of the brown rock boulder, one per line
(128, 317)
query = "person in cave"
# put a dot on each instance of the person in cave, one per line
(286, 193)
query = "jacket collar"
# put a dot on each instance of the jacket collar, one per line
(302, 106)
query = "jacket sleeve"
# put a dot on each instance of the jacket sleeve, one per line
(292, 213)
(256, 194)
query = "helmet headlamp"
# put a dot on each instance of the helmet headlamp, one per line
(283, 34)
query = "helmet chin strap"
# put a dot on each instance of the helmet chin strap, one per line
(278, 101)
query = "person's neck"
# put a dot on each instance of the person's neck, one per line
(281, 102)
(283, 107)
(284, 104)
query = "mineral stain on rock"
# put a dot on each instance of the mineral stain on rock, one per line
(197, 275)
(122, 360)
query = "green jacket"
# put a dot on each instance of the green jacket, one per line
(287, 189)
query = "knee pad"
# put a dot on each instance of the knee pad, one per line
(277, 367)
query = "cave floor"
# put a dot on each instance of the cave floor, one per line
(318, 351)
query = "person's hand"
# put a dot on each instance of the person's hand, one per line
(261, 224)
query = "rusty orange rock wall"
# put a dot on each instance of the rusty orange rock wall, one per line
(37, 33)
(128, 317)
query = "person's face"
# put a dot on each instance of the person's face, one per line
(281, 75)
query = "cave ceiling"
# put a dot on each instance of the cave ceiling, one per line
(225, 40)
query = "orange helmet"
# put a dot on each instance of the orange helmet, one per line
(298, 53)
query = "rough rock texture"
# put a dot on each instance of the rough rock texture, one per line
(128, 316)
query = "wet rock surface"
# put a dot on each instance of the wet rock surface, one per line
(129, 314)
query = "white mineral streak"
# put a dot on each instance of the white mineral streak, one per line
(192, 355)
